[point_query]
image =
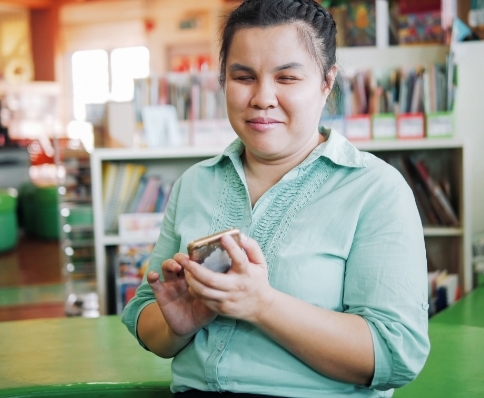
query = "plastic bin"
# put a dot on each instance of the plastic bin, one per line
(8, 220)
(26, 208)
(46, 213)
(80, 215)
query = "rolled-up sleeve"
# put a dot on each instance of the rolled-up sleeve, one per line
(386, 284)
(167, 245)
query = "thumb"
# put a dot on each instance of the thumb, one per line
(153, 279)
(252, 250)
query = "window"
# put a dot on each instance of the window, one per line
(99, 77)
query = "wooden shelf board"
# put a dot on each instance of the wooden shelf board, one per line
(115, 240)
(442, 231)
(405, 145)
(202, 152)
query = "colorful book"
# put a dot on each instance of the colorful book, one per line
(132, 181)
(109, 177)
(150, 195)
(439, 200)
(360, 23)
(112, 202)
(131, 264)
(427, 215)
(139, 193)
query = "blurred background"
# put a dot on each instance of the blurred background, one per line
(104, 103)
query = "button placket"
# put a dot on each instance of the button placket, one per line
(211, 371)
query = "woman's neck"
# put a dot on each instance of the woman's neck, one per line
(262, 174)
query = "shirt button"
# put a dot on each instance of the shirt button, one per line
(247, 223)
(425, 306)
(221, 346)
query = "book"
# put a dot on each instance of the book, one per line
(109, 177)
(131, 183)
(130, 265)
(420, 27)
(416, 99)
(140, 226)
(112, 202)
(123, 190)
(149, 197)
(360, 27)
(437, 197)
(424, 207)
(139, 193)
(444, 290)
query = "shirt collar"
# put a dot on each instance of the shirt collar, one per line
(336, 148)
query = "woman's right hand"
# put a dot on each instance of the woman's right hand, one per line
(184, 314)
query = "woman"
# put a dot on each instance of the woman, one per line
(329, 295)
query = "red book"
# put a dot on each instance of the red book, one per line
(418, 6)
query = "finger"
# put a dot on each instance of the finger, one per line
(153, 279)
(180, 257)
(235, 252)
(206, 277)
(171, 269)
(201, 291)
(252, 250)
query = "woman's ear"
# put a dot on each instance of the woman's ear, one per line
(329, 80)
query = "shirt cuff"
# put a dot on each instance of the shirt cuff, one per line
(134, 331)
(383, 360)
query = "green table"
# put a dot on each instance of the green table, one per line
(468, 311)
(78, 357)
(455, 367)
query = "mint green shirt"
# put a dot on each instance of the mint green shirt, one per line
(340, 231)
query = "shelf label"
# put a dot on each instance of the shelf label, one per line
(384, 126)
(358, 127)
(140, 226)
(411, 125)
(440, 125)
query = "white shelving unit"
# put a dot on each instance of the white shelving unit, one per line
(449, 248)
(172, 162)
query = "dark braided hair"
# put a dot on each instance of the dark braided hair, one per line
(316, 28)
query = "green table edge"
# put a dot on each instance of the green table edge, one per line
(94, 389)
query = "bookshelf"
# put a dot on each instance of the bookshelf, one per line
(171, 162)
(76, 231)
(448, 247)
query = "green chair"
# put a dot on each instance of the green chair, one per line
(8, 219)
(46, 213)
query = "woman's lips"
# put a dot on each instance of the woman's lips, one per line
(263, 124)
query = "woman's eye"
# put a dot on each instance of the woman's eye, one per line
(288, 79)
(244, 78)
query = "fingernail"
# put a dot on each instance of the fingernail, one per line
(243, 237)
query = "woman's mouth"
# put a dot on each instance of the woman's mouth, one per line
(263, 123)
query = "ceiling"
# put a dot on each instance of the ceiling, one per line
(36, 3)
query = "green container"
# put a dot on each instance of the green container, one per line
(46, 213)
(80, 215)
(8, 220)
(26, 209)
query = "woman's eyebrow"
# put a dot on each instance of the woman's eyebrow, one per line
(291, 65)
(239, 67)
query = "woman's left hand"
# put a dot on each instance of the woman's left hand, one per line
(243, 292)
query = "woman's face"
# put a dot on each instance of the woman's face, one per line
(275, 92)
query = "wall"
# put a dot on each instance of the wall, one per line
(153, 23)
(470, 121)
(44, 28)
(15, 46)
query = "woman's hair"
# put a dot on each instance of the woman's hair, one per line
(316, 27)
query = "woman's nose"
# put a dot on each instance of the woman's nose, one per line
(264, 96)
